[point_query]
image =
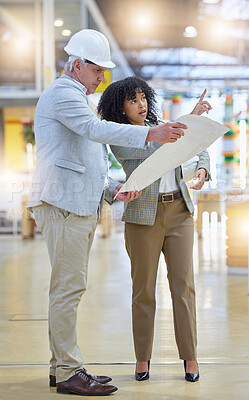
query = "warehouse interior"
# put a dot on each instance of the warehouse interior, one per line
(180, 48)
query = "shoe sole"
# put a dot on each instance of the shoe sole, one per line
(143, 379)
(64, 391)
(188, 380)
(103, 383)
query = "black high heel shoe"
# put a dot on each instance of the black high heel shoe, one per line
(189, 376)
(143, 376)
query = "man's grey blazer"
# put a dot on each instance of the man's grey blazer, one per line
(142, 211)
(72, 156)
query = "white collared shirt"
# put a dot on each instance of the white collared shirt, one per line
(168, 183)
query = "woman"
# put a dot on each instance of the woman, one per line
(160, 220)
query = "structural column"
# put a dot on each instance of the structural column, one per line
(84, 11)
(1, 140)
(49, 72)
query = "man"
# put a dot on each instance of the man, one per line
(67, 192)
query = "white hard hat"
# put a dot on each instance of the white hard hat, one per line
(90, 45)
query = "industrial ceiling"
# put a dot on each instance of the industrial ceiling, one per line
(183, 40)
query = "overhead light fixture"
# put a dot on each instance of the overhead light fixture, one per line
(199, 54)
(190, 31)
(210, 1)
(21, 44)
(220, 29)
(66, 32)
(58, 22)
(143, 21)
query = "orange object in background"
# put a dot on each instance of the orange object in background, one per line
(13, 144)
(15, 152)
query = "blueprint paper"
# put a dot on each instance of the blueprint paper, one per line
(199, 135)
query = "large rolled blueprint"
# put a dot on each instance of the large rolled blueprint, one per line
(199, 135)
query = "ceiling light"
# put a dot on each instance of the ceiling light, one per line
(58, 22)
(21, 44)
(200, 54)
(66, 32)
(190, 31)
(142, 21)
(220, 29)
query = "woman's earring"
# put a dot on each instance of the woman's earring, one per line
(123, 113)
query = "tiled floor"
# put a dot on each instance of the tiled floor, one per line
(104, 324)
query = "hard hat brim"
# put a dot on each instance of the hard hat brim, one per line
(108, 64)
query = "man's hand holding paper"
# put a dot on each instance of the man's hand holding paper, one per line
(166, 133)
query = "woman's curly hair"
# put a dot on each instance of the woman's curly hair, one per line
(110, 106)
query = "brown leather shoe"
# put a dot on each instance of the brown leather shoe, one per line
(100, 379)
(83, 384)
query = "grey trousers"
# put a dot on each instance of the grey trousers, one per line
(172, 234)
(68, 238)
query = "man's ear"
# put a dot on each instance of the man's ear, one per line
(77, 65)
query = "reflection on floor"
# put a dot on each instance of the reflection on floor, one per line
(104, 324)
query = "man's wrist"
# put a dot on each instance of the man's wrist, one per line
(151, 134)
